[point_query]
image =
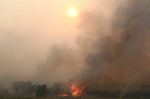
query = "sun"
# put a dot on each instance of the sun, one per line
(72, 12)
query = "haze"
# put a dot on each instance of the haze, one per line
(28, 29)
(108, 41)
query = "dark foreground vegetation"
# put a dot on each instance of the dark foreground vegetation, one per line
(27, 90)
(133, 94)
(55, 97)
(94, 95)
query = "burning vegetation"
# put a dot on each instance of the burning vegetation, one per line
(75, 90)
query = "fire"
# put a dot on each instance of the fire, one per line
(63, 95)
(75, 90)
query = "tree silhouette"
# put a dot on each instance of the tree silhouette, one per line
(41, 90)
(23, 87)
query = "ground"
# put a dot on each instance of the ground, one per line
(31, 97)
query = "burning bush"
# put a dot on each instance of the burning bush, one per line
(75, 90)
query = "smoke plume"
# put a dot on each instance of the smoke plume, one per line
(116, 45)
(113, 46)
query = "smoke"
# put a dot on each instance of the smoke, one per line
(27, 31)
(113, 45)
(63, 64)
(67, 63)
(117, 45)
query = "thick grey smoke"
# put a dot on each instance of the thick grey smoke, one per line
(113, 46)
(117, 46)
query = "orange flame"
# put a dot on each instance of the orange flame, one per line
(75, 90)
(63, 95)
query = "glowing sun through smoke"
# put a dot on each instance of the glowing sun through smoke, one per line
(72, 12)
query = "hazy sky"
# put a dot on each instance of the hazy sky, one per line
(28, 28)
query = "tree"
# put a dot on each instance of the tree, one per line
(16, 86)
(41, 90)
(23, 87)
(56, 89)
